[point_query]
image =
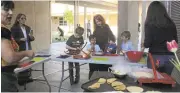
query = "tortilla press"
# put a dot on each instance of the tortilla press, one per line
(165, 80)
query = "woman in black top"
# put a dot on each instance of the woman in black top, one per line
(103, 35)
(159, 28)
(9, 50)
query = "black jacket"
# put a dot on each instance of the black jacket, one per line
(18, 34)
(103, 34)
(156, 38)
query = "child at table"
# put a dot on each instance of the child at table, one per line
(74, 44)
(111, 47)
(93, 47)
(126, 44)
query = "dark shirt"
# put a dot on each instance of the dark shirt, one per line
(103, 34)
(156, 38)
(75, 42)
(6, 34)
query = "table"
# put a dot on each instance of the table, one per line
(130, 82)
(17, 70)
(111, 60)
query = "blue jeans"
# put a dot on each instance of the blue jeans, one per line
(165, 66)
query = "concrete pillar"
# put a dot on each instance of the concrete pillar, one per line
(133, 19)
(122, 18)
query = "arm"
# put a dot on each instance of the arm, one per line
(148, 37)
(114, 49)
(175, 34)
(130, 46)
(9, 55)
(97, 48)
(29, 33)
(68, 44)
(110, 34)
(31, 37)
(71, 48)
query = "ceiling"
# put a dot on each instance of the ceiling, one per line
(101, 4)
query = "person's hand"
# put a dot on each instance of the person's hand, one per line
(23, 39)
(31, 37)
(30, 53)
(78, 48)
(109, 49)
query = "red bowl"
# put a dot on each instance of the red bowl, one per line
(134, 56)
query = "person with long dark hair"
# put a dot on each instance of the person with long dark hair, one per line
(159, 28)
(22, 33)
(10, 56)
(103, 35)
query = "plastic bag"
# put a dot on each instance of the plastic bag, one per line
(121, 68)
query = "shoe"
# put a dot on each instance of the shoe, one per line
(76, 80)
(71, 80)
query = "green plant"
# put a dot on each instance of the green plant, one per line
(68, 16)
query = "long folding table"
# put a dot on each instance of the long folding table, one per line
(111, 60)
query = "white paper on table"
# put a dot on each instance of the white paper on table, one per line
(25, 59)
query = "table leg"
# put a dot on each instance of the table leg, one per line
(62, 77)
(45, 78)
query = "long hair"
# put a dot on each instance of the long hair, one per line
(100, 18)
(7, 5)
(17, 18)
(157, 15)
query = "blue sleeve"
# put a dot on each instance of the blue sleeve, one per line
(97, 48)
(88, 46)
(130, 46)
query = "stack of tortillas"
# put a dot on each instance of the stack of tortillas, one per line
(143, 74)
(135, 89)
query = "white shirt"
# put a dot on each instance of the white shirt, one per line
(25, 36)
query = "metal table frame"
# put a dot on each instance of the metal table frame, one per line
(43, 71)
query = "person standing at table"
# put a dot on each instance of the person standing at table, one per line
(88, 28)
(159, 28)
(103, 35)
(23, 35)
(74, 44)
(10, 56)
(92, 47)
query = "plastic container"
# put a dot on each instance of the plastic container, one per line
(134, 56)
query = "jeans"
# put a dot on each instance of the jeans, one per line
(165, 66)
(71, 74)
